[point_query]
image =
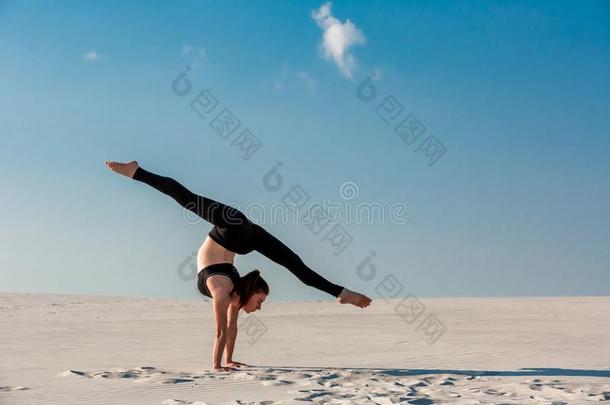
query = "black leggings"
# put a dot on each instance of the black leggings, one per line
(233, 220)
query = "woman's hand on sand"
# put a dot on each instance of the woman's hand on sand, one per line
(223, 368)
(234, 363)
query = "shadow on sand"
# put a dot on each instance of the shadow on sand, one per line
(527, 372)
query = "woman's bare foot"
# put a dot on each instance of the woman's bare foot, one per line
(126, 169)
(354, 298)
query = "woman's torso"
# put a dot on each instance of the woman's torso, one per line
(217, 253)
(211, 252)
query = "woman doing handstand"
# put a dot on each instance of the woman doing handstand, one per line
(233, 233)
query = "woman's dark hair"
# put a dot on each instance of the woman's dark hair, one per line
(249, 285)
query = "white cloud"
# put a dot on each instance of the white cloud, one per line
(280, 82)
(338, 38)
(288, 78)
(310, 82)
(91, 56)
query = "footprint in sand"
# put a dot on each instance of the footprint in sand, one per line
(182, 402)
(277, 382)
(177, 380)
(69, 373)
(9, 388)
(136, 374)
(313, 395)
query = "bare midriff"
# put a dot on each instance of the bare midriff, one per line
(211, 252)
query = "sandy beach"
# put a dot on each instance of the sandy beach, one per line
(70, 349)
(287, 156)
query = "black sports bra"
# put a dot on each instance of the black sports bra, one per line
(219, 268)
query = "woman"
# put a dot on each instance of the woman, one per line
(233, 233)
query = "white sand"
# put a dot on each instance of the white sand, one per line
(62, 349)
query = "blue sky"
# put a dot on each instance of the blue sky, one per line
(518, 94)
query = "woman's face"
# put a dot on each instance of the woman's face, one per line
(255, 302)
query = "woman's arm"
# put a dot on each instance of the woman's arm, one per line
(221, 304)
(233, 313)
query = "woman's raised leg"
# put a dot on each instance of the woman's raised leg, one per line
(210, 210)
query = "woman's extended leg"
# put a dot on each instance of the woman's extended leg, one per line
(210, 210)
(271, 247)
